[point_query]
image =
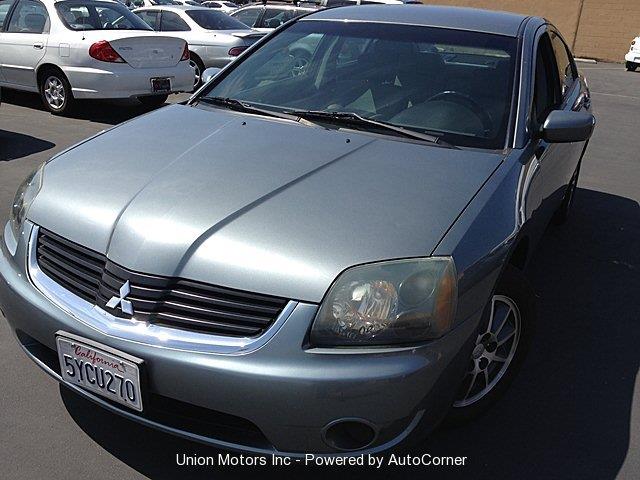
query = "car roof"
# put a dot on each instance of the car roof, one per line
(176, 8)
(458, 18)
(275, 6)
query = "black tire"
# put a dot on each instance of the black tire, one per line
(631, 67)
(153, 101)
(55, 91)
(513, 286)
(197, 64)
(561, 215)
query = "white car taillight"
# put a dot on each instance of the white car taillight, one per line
(104, 52)
(185, 52)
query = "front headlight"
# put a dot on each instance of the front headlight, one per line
(401, 301)
(25, 195)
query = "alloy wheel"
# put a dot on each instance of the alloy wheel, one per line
(54, 93)
(198, 73)
(493, 352)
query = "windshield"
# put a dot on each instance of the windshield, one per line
(98, 16)
(212, 20)
(431, 80)
(165, 2)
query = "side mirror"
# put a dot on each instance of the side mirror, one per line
(566, 127)
(209, 73)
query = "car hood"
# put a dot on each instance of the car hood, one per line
(254, 203)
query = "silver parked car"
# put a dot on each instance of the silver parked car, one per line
(69, 50)
(327, 259)
(214, 37)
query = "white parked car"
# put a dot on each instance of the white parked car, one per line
(148, 3)
(224, 7)
(633, 57)
(78, 49)
(214, 37)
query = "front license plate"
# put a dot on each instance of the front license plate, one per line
(160, 85)
(108, 373)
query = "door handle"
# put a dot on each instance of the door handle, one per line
(38, 46)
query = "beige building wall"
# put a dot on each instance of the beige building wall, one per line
(600, 29)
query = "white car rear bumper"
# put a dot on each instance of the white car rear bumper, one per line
(123, 81)
(633, 57)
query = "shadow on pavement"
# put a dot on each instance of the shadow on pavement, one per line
(17, 145)
(567, 414)
(99, 111)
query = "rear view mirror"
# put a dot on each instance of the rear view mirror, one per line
(565, 127)
(209, 73)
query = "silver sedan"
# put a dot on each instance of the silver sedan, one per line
(214, 37)
(84, 49)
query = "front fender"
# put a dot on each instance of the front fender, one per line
(484, 236)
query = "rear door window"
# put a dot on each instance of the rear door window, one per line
(171, 22)
(5, 5)
(249, 16)
(30, 16)
(150, 17)
(274, 17)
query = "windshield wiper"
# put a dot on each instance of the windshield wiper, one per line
(353, 119)
(238, 106)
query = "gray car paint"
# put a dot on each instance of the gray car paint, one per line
(298, 220)
(290, 392)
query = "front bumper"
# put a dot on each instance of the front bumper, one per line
(123, 81)
(288, 392)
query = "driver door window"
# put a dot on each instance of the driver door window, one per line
(566, 68)
(171, 22)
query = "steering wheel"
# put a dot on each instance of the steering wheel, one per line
(468, 102)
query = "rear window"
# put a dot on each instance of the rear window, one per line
(211, 20)
(98, 16)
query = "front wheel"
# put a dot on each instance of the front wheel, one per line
(56, 92)
(153, 100)
(503, 340)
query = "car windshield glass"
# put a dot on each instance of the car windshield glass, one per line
(165, 2)
(455, 84)
(212, 20)
(98, 16)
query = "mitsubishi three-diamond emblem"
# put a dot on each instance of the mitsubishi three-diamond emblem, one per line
(125, 305)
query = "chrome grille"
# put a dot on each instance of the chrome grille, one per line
(169, 301)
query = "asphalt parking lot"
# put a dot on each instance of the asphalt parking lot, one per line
(573, 412)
